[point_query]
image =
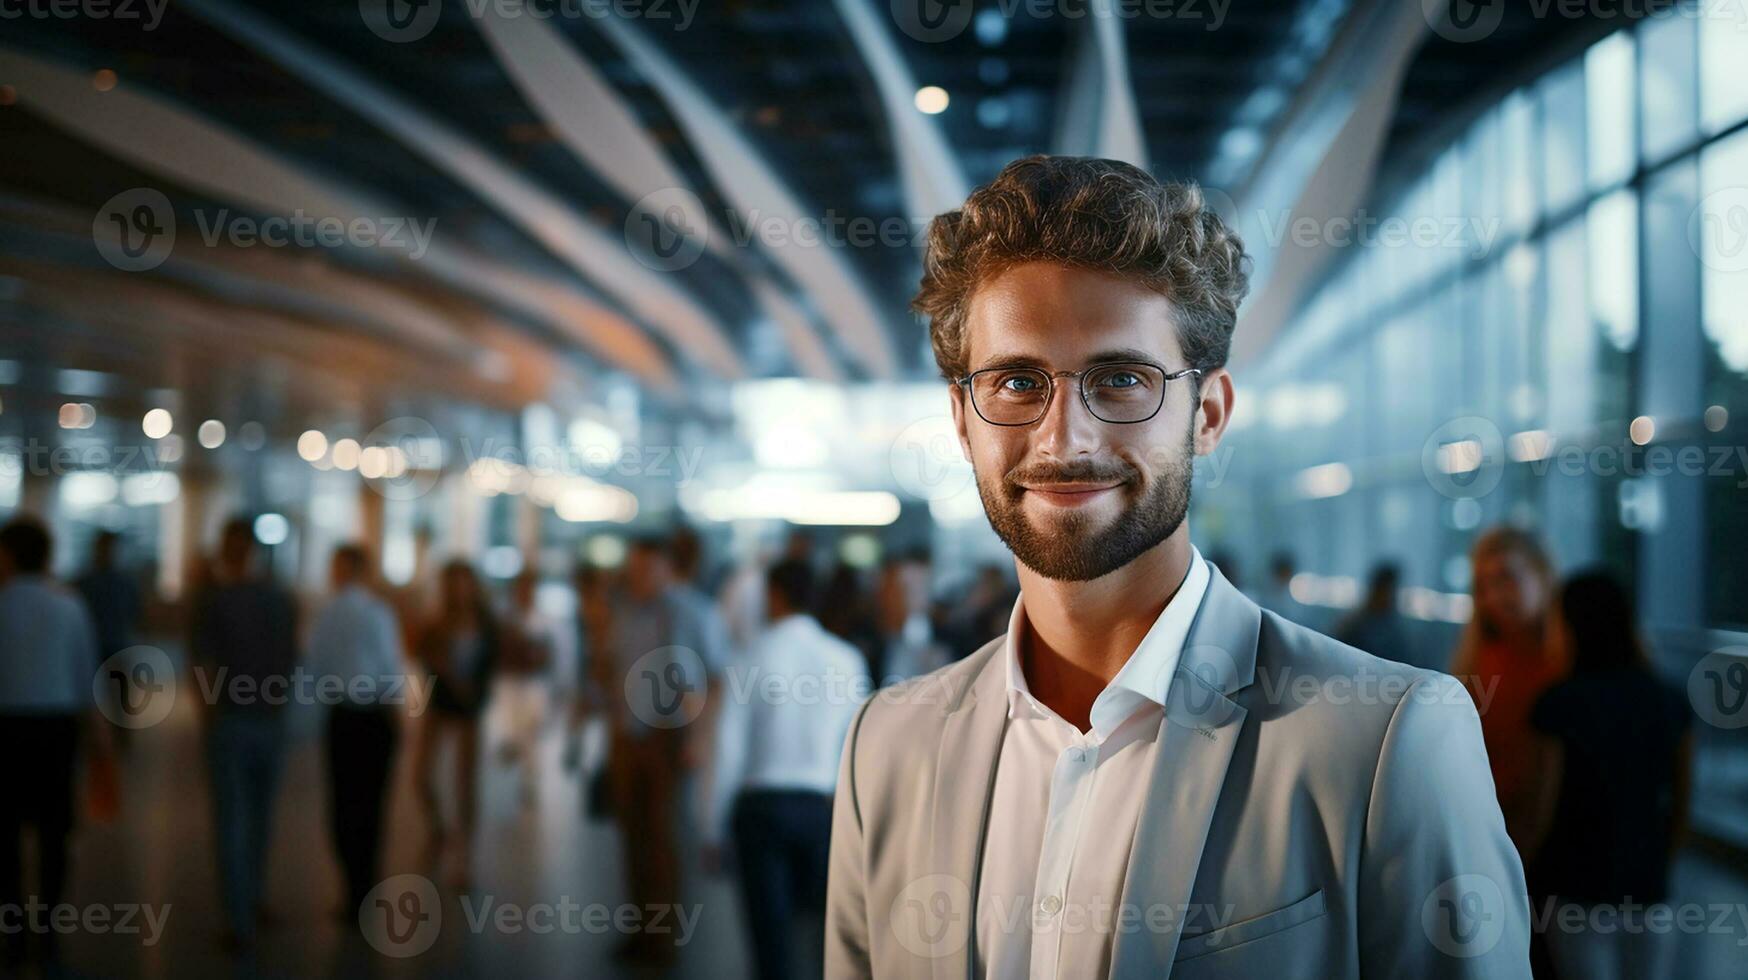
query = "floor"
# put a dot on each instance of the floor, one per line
(546, 881)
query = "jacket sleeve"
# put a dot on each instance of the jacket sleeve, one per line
(1441, 890)
(846, 906)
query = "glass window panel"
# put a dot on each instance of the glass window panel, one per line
(1723, 65)
(1571, 344)
(1608, 83)
(1562, 99)
(1668, 86)
(1722, 233)
(1483, 188)
(1517, 122)
(1614, 268)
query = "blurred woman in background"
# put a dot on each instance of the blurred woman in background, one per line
(530, 640)
(1609, 764)
(459, 645)
(1503, 657)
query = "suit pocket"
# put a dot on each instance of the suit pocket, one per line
(1249, 930)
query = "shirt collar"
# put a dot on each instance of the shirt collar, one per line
(1144, 678)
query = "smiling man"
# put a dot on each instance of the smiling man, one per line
(1146, 775)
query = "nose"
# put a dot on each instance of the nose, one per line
(1067, 429)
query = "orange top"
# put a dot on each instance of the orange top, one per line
(1509, 684)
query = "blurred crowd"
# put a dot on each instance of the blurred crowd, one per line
(693, 679)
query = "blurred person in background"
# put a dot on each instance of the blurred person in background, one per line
(1276, 594)
(1608, 767)
(357, 639)
(48, 658)
(1227, 563)
(705, 621)
(1504, 658)
(845, 609)
(114, 601)
(242, 641)
(594, 591)
(460, 645)
(525, 680)
(589, 698)
(1377, 626)
(742, 601)
(980, 613)
(907, 646)
(777, 767)
(663, 651)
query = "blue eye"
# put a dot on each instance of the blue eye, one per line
(1120, 379)
(1020, 383)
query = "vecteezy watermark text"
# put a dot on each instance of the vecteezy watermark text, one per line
(148, 13)
(405, 21)
(135, 230)
(33, 915)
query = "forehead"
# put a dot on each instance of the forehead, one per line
(1064, 316)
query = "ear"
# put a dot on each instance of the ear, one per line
(956, 395)
(1214, 410)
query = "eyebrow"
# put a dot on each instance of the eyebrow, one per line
(1102, 357)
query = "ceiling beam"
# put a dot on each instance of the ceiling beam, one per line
(759, 195)
(933, 180)
(599, 257)
(1321, 164)
(593, 120)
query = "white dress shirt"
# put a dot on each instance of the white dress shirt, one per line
(787, 706)
(355, 637)
(1065, 807)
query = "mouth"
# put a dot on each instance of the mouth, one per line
(1070, 494)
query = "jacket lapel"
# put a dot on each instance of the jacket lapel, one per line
(1200, 730)
(964, 778)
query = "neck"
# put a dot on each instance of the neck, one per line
(1078, 635)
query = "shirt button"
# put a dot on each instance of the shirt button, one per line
(1050, 905)
(1077, 755)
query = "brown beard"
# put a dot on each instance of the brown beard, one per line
(1076, 552)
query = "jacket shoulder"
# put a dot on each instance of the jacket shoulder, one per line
(914, 711)
(1301, 667)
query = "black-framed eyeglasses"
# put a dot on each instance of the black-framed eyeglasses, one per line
(1120, 392)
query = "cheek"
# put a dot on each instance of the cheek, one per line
(993, 453)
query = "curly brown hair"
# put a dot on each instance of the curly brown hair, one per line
(1102, 215)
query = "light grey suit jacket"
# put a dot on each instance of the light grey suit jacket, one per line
(1313, 812)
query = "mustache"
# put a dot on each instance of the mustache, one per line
(1108, 470)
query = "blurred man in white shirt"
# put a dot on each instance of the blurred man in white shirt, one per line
(524, 679)
(357, 639)
(785, 711)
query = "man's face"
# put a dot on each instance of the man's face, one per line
(1074, 497)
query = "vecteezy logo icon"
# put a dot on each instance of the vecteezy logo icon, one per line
(1718, 687)
(1717, 230)
(135, 230)
(932, 21)
(665, 688)
(926, 461)
(1463, 21)
(414, 457)
(1464, 916)
(667, 229)
(1192, 696)
(136, 687)
(1464, 458)
(931, 916)
(401, 916)
(400, 21)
